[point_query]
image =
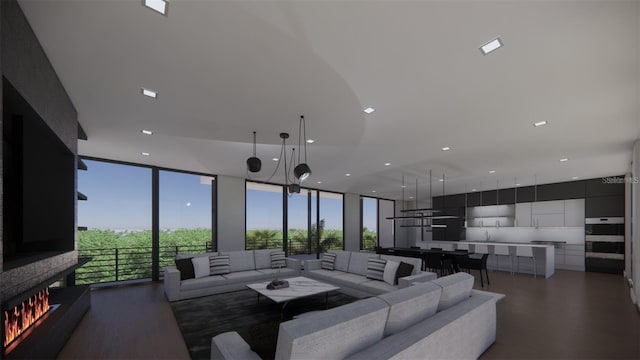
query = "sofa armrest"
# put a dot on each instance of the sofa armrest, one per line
(231, 346)
(294, 264)
(421, 277)
(172, 282)
(315, 264)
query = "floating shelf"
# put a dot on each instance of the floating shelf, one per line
(82, 196)
(82, 228)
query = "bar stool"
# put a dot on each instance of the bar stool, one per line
(503, 250)
(526, 252)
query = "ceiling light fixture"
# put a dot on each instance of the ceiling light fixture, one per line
(369, 110)
(160, 6)
(146, 132)
(373, 191)
(347, 174)
(319, 182)
(492, 171)
(517, 184)
(253, 163)
(145, 153)
(441, 180)
(446, 148)
(474, 190)
(491, 46)
(302, 170)
(310, 141)
(539, 123)
(564, 160)
(150, 93)
(387, 164)
(575, 177)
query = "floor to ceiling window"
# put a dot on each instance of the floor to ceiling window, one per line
(185, 214)
(301, 215)
(369, 219)
(331, 222)
(264, 215)
(117, 217)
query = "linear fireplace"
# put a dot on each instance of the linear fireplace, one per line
(22, 317)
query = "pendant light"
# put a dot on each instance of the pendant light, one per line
(302, 171)
(253, 163)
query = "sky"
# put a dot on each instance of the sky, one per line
(119, 198)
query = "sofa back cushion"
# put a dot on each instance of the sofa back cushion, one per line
(410, 305)
(241, 260)
(342, 260)
(335, 333)
(358, 262)
(262, 258)
(189, 256)
(416, 262)
(455, 288)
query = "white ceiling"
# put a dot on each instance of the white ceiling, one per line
(226, 68)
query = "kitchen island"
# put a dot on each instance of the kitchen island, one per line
(505, 256)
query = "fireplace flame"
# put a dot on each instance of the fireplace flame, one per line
(18, 320)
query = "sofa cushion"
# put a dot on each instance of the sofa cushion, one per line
(410, 305)
(185, 266)
(246, 276)
(455, 288)
(390, 269)
(189, 256)
(203, 283)
(262, 258)
(329, 261)
(219, 264)
(284, 272)
(200, 266)
(348, 279)
(277, 260)
(240, 260)
(375, 268)
(335, 333)
(342, 260)
(376, 287)
(323, 274)
(358, 262)
(416, 262)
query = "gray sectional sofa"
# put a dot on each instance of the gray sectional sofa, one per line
(245, 267)
(351, 269)
(439, 319)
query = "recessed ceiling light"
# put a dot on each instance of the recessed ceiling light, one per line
(492, 171)
(373, 191)
(145, 154)
(369, 110)
(318, 182)
(310, 141)
(575, 177)
(410, 197)
(491, 46)
(564, 160)
(146, 132)
(347, 174)
(387, 164)
(150, 93)
(539, 123)
(160, 6)
(441, 180)
(517, 184)
(275, 159)
(474, 190)
(446, 148)
(403, 186)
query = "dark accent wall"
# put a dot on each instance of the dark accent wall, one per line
(25, 65)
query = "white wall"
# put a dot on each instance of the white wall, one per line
(385, 227)
(351, 222)
(231, 213)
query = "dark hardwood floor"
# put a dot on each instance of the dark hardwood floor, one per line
(573, 315)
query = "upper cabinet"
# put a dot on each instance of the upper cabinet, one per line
(491, 216)
(558, 213)
(574, 212)
(523, 215)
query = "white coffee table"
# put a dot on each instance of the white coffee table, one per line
(299, 287)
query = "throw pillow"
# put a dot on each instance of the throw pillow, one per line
(375, 268)
(404, 269)
(200, 266)
(277, 260)
(219, 264)
(328, 261)
(390, 269)
(185, 266)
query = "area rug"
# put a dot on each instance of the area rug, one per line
(257, 323)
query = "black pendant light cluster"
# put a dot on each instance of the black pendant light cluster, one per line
(301, 171)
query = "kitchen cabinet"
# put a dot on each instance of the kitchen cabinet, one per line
(574, 212)
(523, 215)
(547, 213)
